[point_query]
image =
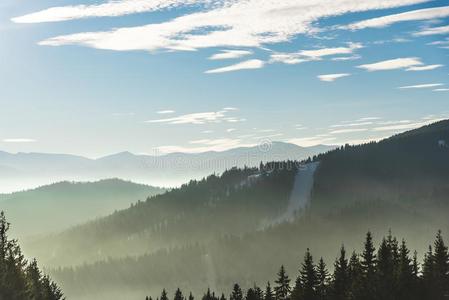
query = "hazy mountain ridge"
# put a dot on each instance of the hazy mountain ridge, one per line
(36, 169)
(60, 205)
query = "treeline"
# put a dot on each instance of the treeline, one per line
(390, 272)
(20, 279)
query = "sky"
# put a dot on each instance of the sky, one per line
(156, 76)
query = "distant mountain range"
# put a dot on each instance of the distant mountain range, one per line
(58, 206)
(28, 170)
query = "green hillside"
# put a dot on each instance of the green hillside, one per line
(58, 206)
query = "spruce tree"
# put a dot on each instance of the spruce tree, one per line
(406, 277)
(269, 292)
(355, 276)
(428, 274)
(341, 280)
(368, 265)
(237, 293)
(178, 295)
(384, 284)
(323, 278)
(441, 268)
(307, 283)
(282, 288)
(164, 295)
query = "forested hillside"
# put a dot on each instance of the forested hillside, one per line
(56, 207)
(237, 202)
(400, 181)
(214, 232)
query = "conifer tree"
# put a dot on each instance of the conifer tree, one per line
(307, 283)
(237, 293)
(441, 268)
(323, 278)
(428, 274)
(406, 279)
(191, 296)
(368, 265)
(385, 271)
(34, 281)
(355, 276)
(178, 295)
(282, 288)
(341, 279)
(269, 292)
(164, 295)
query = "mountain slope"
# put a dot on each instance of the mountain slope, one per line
(411, 166)
(238, 201)
(61, 205)
(399, 183)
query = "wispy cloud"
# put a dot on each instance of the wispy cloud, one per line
(369, 119)
(165, 112)
(19, 140)
(439, 43)
(424, 68)
(356, 124)
(199, 118)
(407, 126)
(230, 54)
(318, 53)
(392, 64)
(314, 54)
(344, 58)
(246, 65)
(236, 23)
(332, 77)
(441, 90)
(421, 86)
(414, 15)
(109, 9)
(348, 130)
(433, 31)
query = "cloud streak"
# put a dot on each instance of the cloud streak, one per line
(421, 86)
(332, 77)
(230, 54)
(108, 9)
(433, 31)
(392, 64)
(237, 23)
(246, 65)
(199, 118)
(315, 54)
(415, 15)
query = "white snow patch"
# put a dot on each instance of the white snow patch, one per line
(301, 194)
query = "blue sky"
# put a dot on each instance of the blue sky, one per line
(98, 77)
